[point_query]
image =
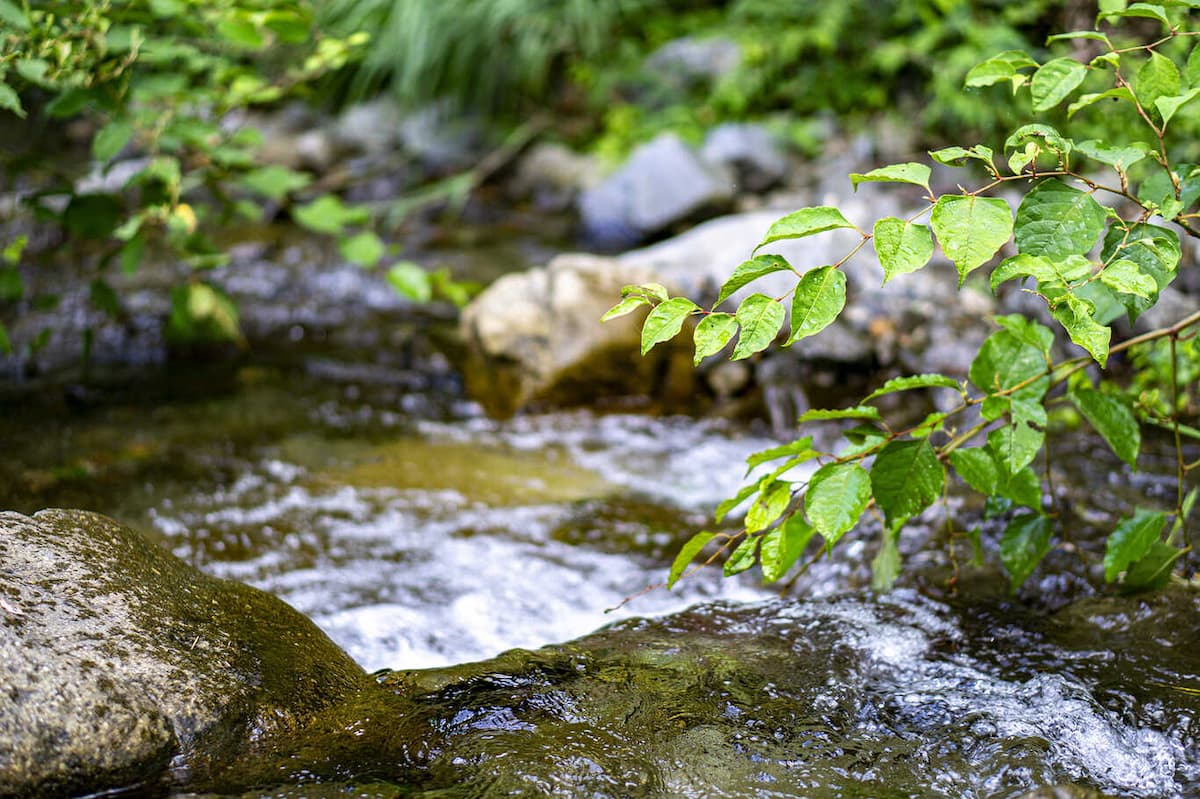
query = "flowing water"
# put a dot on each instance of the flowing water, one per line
(420, 534)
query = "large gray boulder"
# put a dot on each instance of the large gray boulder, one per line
(117, 660)
(663, 183)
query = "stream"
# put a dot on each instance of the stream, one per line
(421, 535)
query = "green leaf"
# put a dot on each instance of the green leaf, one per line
(625, 306)
(686, 553)
(665, 321)
(1056, 220)
(1045, 137)
(651, 291)
(727, 505)
(12, 287)
(200, 312)
(902, 246)
(1113, 420)
(1120, 157)
(837, 496)
(784, 545)
(958, 156)
(1091, 99)
(977, 468)
(111, 139)
(805, 222)
(1126, 277)
(9, 101)
(1158, 77)
(912, 382)
(1131, 541)
(132, 253)
(1154, 570)
(1167, 106)
(1005, 361)
(240, 31)
(1154, 249)
(1025, 542)
(1076, 316)
(1054, 80)
(742, 557)
(712, 334)
(1023, 488)
(1015, 445)
(1002, 66)
(327, 214)
(11, 254)
(971, 229)
(772, 501)
(749, 271)
(1028, 331)
(363, 249)
(5, 342)
(819, 298)
(906, 478)
(801, 446)
(885, 568)
(93, 216)
(914, 173)
(275, 182)
(104, 299)
(760, 318)
(411, 281)
(859, 412)
(12, 14)
(34, 70)
(1083, 34)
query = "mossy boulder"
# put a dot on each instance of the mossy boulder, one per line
(120, 664)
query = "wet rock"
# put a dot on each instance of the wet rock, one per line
(117, 659)
(663, 183)
(690, 60)
(750, 152)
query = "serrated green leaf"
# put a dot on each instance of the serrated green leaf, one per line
(859, 412)
(665, 321)
(1015, 445)
(1146, 10)
(1120, 157)
(801, 446)
(743, 557)
(9, 101)
(712, 334)
(1021, 266)
(1054, 80)
(1025, 542)
(1046, 137)
(625, 306)
(912, 382)
(686, 553)
(818, 299)
(1113, 420)
(1005, 361)
(728, 505)
(652, 291)
(911, 172)
(1002, 66)
(906, 478)
(1086, 100)
(363, 249)
(1022, 488)
(978, 469)
(1167, 106)
(772, 501)
(1154, 570)
(1076, 316)
(1131, 541)
(784, 545)
(759, 318)
(837, 496)
(1158, 77)
(1154, 249)
(749, 271)
(1083, 34)
(1028, 331)
(805, 222)
(1126, 277)
(111, 139)
(885, 567)
(902, 246)
(958, 156)
(411, 281)
(275, 182)
(1056, 220)
(971, 229)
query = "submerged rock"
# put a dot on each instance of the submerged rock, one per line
(118, 660)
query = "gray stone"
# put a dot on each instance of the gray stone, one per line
(690, 60)
(372, 128)
(117, 660)
(750, 152)
(552, 174)
(662, 183)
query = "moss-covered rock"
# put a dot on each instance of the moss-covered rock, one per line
(118, 661)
